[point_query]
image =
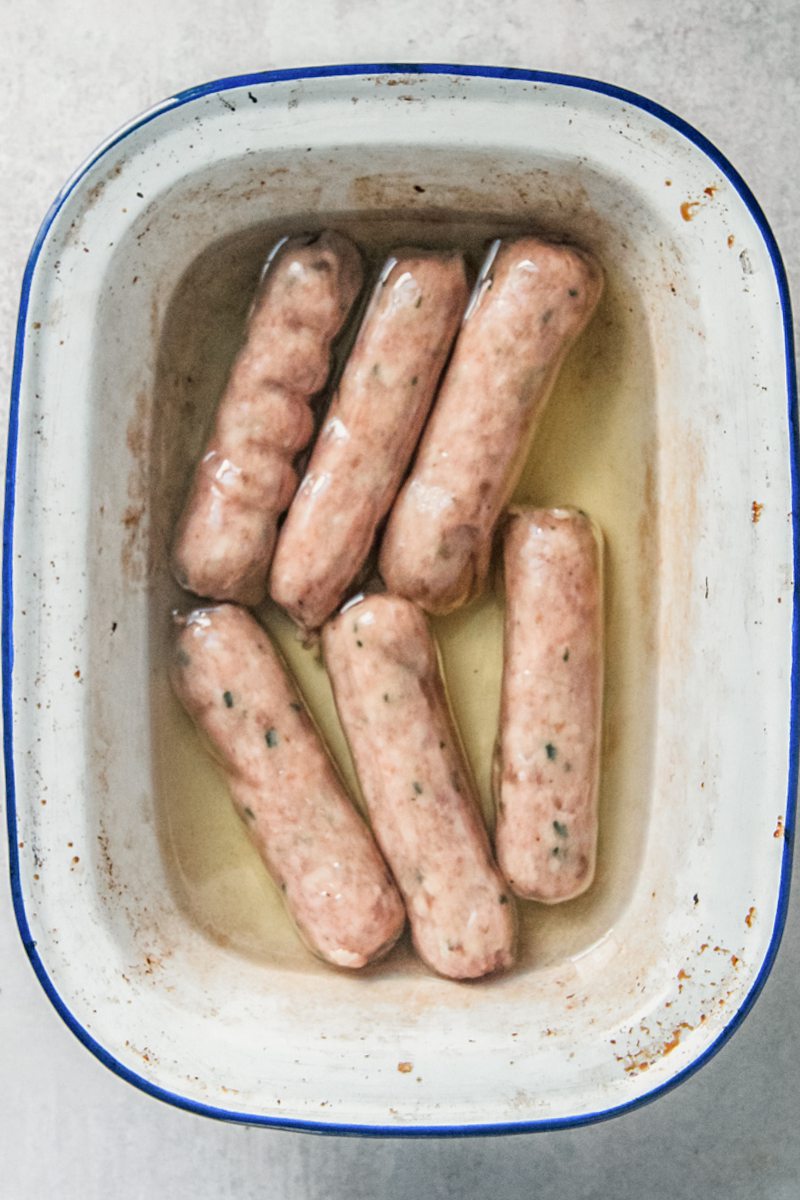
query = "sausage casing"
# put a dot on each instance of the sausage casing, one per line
(284, 787)
(226, 534)
(547, 768)
(369, 433)
(419, 792)
(531, 301)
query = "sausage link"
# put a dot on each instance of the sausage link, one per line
(548, 764)
(418, 789)
(226, 534)
(531, 301)
(284, 787)
(369, 435)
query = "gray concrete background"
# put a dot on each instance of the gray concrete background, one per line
(71, 72)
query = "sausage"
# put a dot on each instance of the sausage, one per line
(369, 435)
(226, 534)
(547, 767)
(284, 787)
(421, 799)
(531, 301)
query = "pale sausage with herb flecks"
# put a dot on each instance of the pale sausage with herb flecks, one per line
(245, 479)
(389, 693)
(530, 302)
(547, 767)
(284, 787)
(369, 433)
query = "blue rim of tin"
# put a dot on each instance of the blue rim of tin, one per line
(301, 73)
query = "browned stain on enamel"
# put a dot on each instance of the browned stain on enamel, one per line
(107, 864)
(657, 1038)
(690, 208)
(133, 554)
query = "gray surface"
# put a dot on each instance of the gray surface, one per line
(71, 73)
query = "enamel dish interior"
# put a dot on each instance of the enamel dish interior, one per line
(674, 416)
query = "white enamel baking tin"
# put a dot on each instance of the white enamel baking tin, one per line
(712, 775)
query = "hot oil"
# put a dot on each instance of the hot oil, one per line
(594, 449)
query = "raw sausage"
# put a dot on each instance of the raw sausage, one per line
(244, 481)
(369, 434)
(318, 850)
(548, 764)
(531, 301)
(391, 701)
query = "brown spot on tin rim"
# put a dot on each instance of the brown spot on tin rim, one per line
(405, 1068)
(689, 207)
